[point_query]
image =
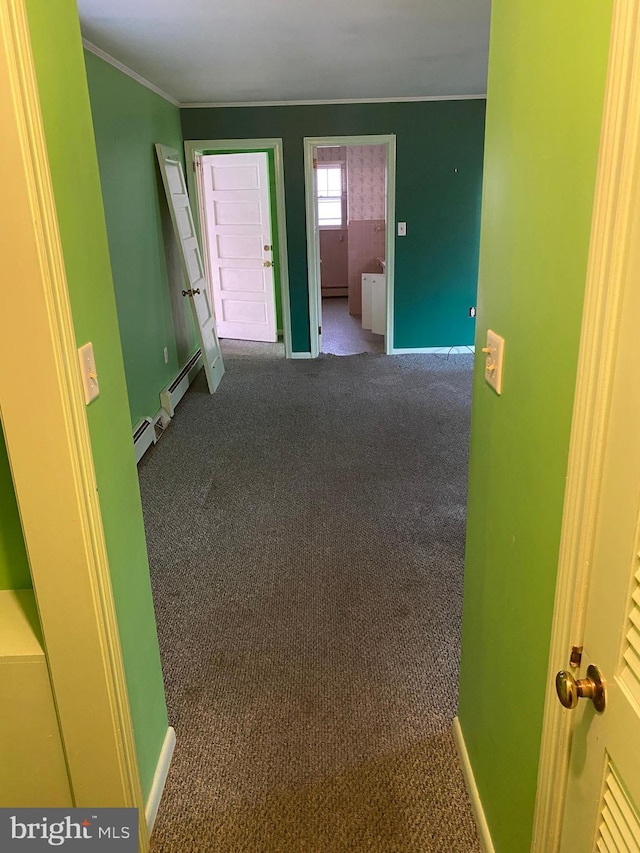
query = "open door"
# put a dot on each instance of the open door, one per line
(196, 285)
(322, 192)
(234, 190)
(589, 773)
(603, 793)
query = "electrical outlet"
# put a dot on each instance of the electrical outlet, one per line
(166, 355)
(472, 311)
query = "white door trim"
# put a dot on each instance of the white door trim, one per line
(64, 537)
(197, 146)
(313, 243)
(618, 171)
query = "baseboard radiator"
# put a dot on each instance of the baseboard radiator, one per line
(149, 430)
(144, 435)
(173, 393)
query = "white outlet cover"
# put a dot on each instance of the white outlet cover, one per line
(89, 374)
(494, 352)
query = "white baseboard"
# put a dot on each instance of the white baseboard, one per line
(144, 436)
(157, 424)
(461, 349)
(300, 355)
(160, 777)
(472, 789)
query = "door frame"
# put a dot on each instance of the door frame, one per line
(617, 177)
(193, 147)
(64, 537)
(313, 233)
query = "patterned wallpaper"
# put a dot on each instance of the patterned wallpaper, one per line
(366, 165)
(334, 154)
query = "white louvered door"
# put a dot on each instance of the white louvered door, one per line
(603, 795)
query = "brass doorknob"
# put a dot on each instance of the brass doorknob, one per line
(267, 264)
(592, 687)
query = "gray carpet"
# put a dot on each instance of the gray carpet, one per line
(343, 334)
(306, 532)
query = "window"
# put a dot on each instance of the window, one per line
(331, 195)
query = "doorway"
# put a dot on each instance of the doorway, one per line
(243, 236)
(350, 200)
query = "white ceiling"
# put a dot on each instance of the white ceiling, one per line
(231, 51)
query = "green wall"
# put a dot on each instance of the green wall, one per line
(437, 262)
(546, 81)
(14, 567)
(128, 120)
(62, 84)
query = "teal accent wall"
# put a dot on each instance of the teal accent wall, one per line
(14, 567)
(273, 212)
(128, 119)
(547, 71)
(64, 97)
(437, 262)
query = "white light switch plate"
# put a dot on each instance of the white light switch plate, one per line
(402, 229)
(494, 351)
(89, 375)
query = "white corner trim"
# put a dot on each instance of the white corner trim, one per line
(92, 48)
(217, 105)
(463, 349)
(472, 789)
(301, 355)
(160, 777)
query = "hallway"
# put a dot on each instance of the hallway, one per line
(306, 537)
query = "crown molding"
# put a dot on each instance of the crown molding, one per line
(218, 105)
(92, 48)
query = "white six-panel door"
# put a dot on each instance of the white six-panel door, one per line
(237, 229)
(195, 282)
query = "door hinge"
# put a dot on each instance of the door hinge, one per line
(315, 162)
(319, 330)
(575, 658)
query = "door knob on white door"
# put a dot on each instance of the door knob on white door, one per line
(592, 687)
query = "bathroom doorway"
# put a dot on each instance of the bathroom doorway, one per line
(350, 191)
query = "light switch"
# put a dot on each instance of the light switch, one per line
(494, 351)
(402, 229)
(89, 375)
